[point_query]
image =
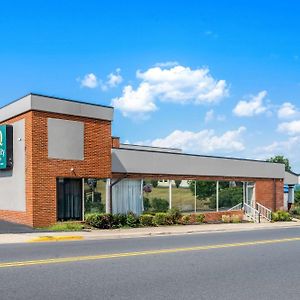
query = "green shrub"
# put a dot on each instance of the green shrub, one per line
(174, 215)
(160, 218)
(295, 210)
(132, 220)
(228, 197)
(200, 218)
(146, 220)
(102, 221)
(235, 219)
(226, 218)
(185, 219)
(159, 205)
(147, 204)
(281, 215)
(119, 220)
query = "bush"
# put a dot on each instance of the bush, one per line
(200, 218)
(281, 215)
(132, 220)
(228, 197)
(147, 204)
(160, 218)
(102, 221)
(226, 218)
(185, 219)
(119, 220)
(236, 219)
(146, 220)
(159, 205)
(297, 197)
(154, 183)
(295, 210)
(174, 215)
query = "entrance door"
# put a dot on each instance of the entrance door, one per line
(69, 199)
(249, 193)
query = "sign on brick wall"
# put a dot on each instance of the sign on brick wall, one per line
(6, 147)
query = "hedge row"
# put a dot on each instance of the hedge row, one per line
(172, 217)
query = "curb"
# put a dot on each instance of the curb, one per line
(42, 239)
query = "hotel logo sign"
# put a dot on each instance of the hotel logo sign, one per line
(6, 147)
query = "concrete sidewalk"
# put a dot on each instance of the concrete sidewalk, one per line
(139, 232)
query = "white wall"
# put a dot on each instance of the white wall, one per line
(12, 182)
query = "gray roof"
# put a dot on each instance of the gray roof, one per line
(150, 148)
(291, 178)
(55, 105)
(166, 163)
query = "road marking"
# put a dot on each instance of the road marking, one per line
(56, 238)
(140, 253)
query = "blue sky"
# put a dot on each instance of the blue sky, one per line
(219, 78)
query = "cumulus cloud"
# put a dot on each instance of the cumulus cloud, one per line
(167, 64)
(89, 81)
(287, 148)
(114, 79)
(290, 128)
(287, 110)
(178, 84)
(254, 106)
(204, 141)
(92, 81)
(211, 116)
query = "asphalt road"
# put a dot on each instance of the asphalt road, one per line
(262, 264)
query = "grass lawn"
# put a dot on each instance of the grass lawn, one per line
(65, 226)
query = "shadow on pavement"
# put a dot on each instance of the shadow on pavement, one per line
(8, 227)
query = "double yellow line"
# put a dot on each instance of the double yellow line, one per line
(140, 253)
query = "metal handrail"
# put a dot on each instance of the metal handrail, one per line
(236, 207)
(264, 211)
(252, 213)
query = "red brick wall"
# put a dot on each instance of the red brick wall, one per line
(115, 142)
(41, 172)
(217, 216)
(269, 193)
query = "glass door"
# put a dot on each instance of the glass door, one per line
(69, 199)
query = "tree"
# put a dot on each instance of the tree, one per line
(177, 183)
(154, 183)
(281, 159)
(204, 189)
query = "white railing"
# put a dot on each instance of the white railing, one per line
(252, 213)
(236, 207)
(264, 211)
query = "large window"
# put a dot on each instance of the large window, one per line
(94, 195)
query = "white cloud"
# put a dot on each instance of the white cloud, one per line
(254, 106)
(89, 81)
(287, 110)
(137, 102)
(211, 116)
(114, 79)
(204, 141)
(177, 84)
(167, 64)
(290, 128)
(287, 148)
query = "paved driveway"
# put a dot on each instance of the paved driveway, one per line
(7, 227)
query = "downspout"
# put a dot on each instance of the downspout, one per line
(274, 193)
